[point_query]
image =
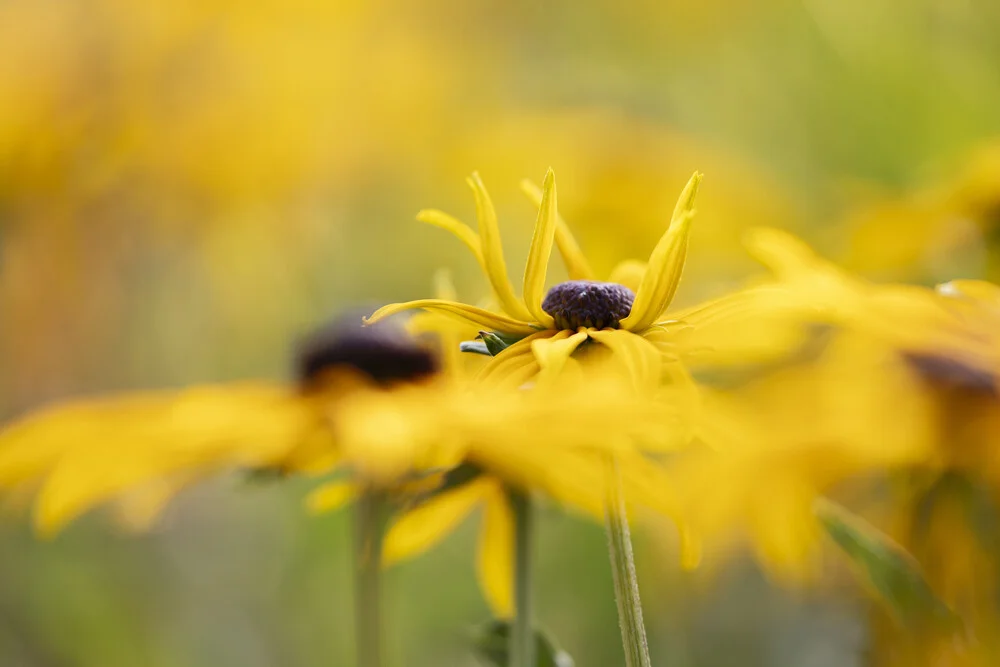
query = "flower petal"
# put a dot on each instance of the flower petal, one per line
(515, 364)
(495, 558)
(981, 291)
(458, 228)
(496, 267)
(576, 264)
(640, 357)
(331, 497)
(541, 249)
(96, 451)
(666, 263)
(477, 317)
(422, 527)
(629, 273)
(552, 353)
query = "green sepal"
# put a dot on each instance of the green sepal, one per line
(494, 343)
(475, 347)
(492, 642)
(888, 569)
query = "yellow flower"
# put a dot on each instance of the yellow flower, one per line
(142, 448)
(555, 438)
(776, 442)
(553, 325)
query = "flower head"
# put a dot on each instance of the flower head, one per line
(553, 324)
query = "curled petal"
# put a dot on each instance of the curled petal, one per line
(495, 559)
(517, 363)
(496, 267)
(476, 317)
(637, 355)
(553, 352)
(541, 249)
(422, 527)
(666, 263)
(459, 229)
(576, 264)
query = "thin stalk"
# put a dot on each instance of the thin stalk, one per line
(522, 636)
(368, 519)
(623, 571)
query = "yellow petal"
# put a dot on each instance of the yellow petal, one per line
(111, 447)
(477, 317)
(138, 510)
(495, 560)
(331, 497)
(629, 273)
(666, 263)
(422, 527)
(977, 290)
(458, 228)
(640, 357)
(496, 266)
(576, 264)
(515, 364)
(541, 249)
(552, 353)
(691, 547)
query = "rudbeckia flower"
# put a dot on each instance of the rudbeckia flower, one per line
(625, 315)
(141, 449)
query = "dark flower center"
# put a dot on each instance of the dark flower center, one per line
(384, 352)
(588, 303)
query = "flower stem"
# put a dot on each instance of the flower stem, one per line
(367, 593)
(623, 571)
(522, 636)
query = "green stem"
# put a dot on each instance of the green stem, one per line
(623, 571)
(367, 593)
(522, 636)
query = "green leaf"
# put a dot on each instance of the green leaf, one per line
(492, 641)
(888, 569)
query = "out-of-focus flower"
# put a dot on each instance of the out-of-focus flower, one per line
(936, 230)
(147, 446)
(935, 420)
(777, 441)
(555, 439)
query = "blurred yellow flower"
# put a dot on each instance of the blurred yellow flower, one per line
(147, 446)
(555, 438)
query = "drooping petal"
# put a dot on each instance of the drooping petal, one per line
(538, 254)
(425, 525)
(331, 497)
(666, 263)
(515, 364)
(576, 264)
(629, 273)
(495, 558)
(636, 354)
(96, 451)
(459, 229)
(138, 510)
(476, 317)
(552, 353)
(496, 266)
(986, 293)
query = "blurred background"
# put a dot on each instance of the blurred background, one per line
(187, 187)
